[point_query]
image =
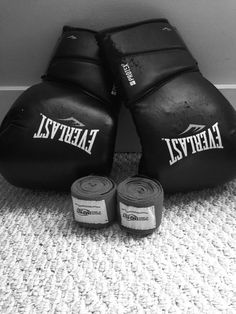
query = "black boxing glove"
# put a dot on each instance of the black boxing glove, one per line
(186, 126)
(63, 128)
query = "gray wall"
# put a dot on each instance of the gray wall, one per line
(29, 30)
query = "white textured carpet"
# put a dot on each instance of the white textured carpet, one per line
(50, 265)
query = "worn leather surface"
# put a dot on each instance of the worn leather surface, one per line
(64, 127)
(186, 126)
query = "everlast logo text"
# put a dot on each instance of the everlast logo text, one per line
(76, 136)
(183, 146)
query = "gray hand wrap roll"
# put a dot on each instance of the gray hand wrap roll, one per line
(140, 202)
(94, 201)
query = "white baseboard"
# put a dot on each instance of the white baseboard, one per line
(225, 86)
(22, 88)
(127, 140)
(12, 88)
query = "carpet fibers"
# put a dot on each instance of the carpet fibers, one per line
(50, 265)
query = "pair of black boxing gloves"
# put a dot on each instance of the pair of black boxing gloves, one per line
(65, 127)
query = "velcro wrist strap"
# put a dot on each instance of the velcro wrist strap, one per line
(76, 60)
(143, 56)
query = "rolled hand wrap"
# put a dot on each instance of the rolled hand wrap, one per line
(94, 201)
(140, 202)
